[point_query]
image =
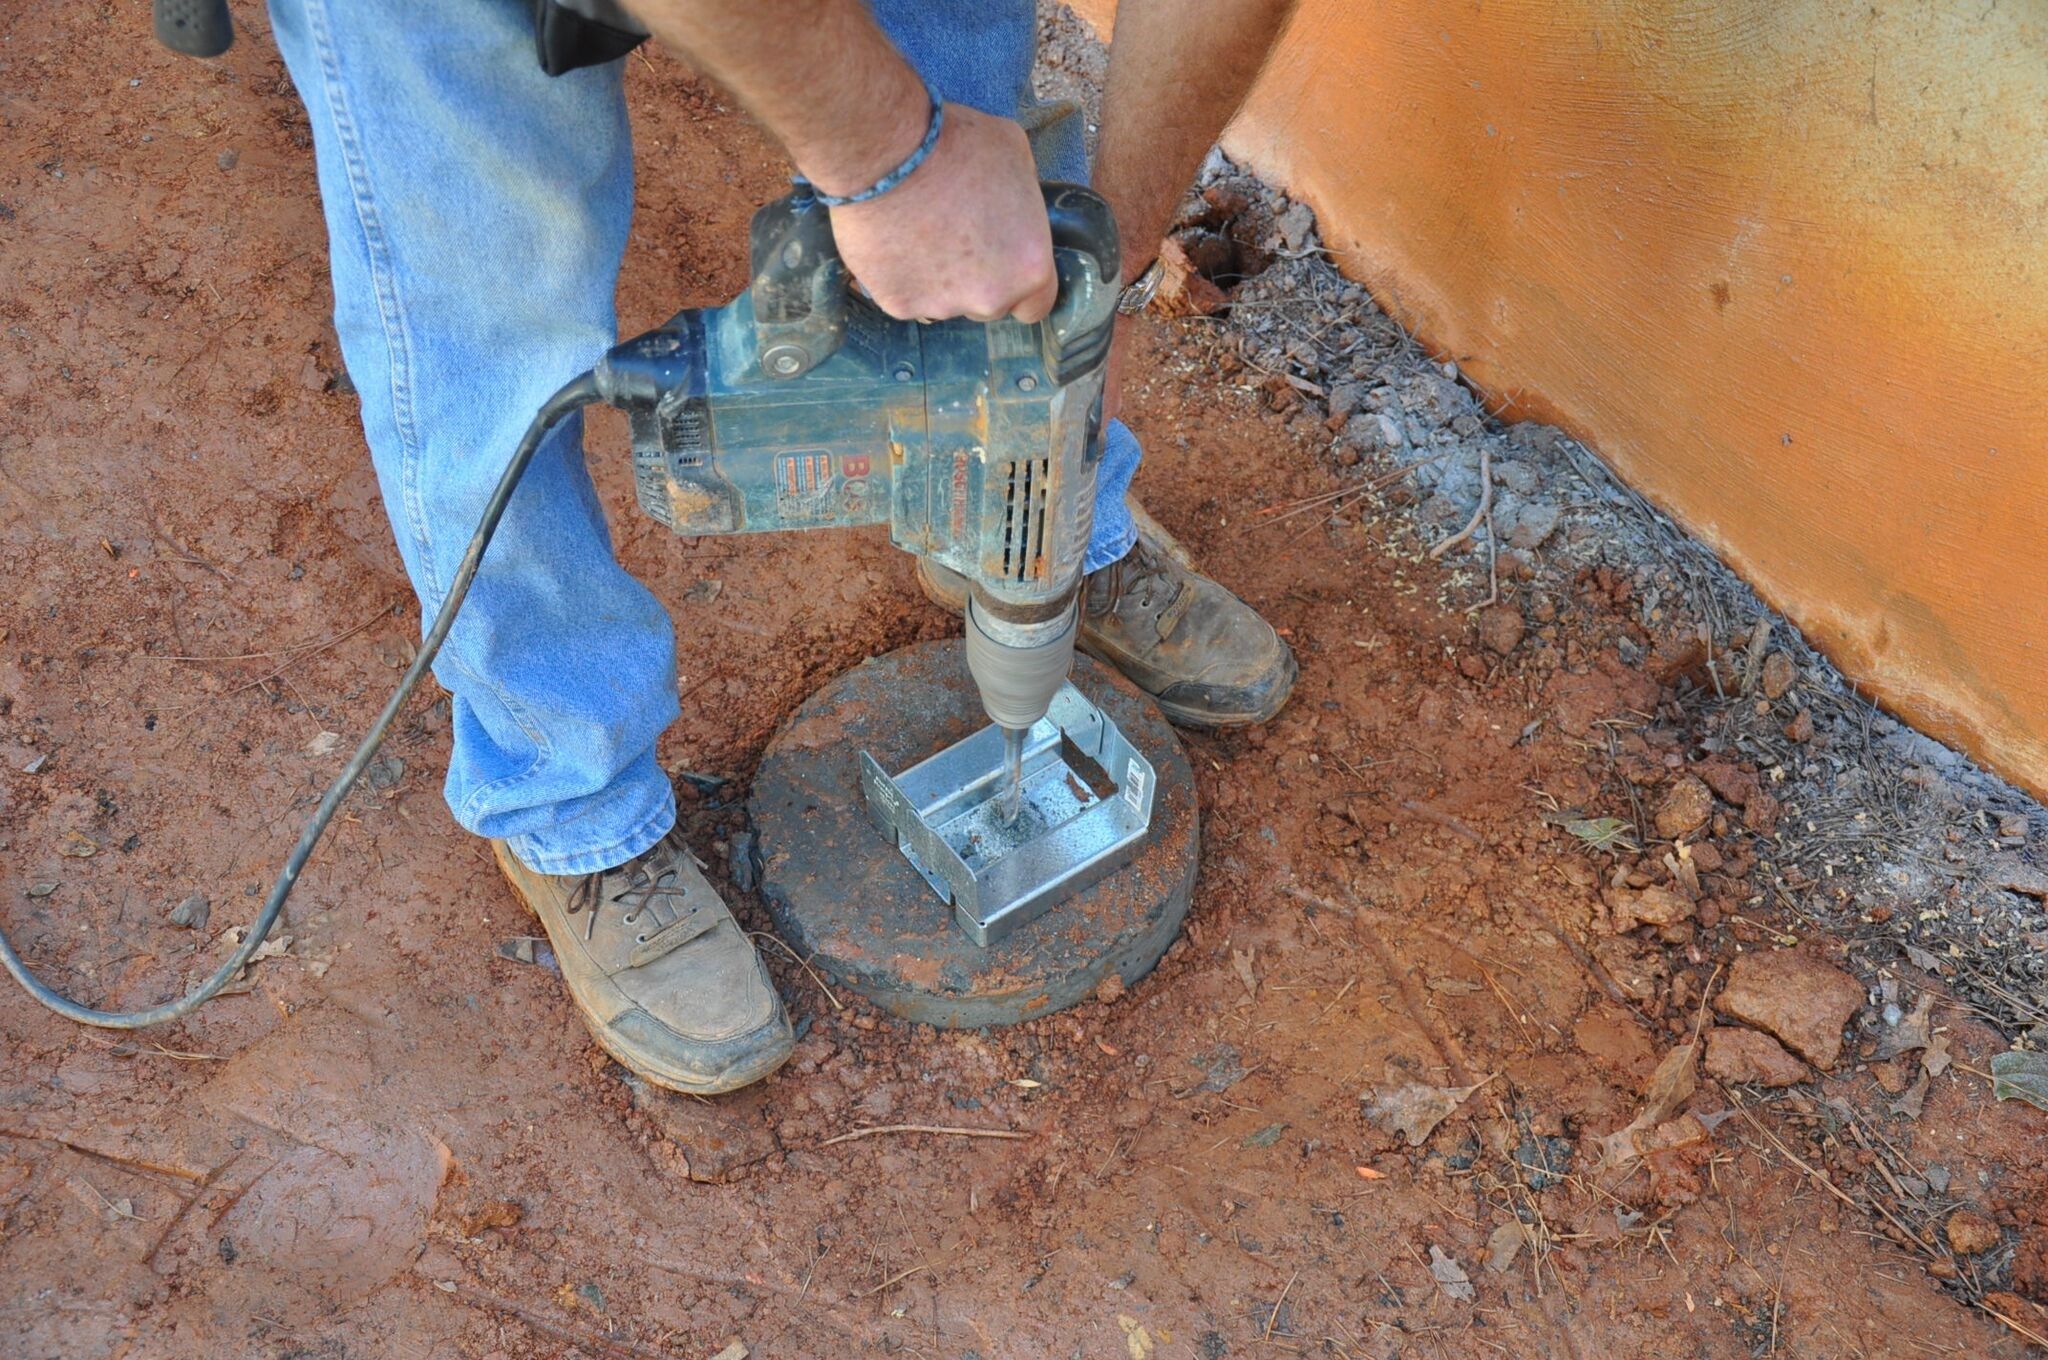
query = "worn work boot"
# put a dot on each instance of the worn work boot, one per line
(665, 978)
(1204, 655)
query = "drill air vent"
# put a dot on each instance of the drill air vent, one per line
(1028, 486)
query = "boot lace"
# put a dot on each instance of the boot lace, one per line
(1140, 575)
(644, 893)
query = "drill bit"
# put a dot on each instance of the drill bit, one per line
(1011, 800)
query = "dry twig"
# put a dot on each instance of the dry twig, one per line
(802, 963)
(1478, 516)
(924, 1128)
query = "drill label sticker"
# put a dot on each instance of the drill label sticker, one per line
(804, 486)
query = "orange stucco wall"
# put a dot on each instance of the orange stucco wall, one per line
(1784, 263)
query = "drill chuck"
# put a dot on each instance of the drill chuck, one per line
(1019, 667)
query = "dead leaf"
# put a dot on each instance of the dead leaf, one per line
(734, 1351)
(1366, 1173)
(1450, 1275)
(1601, 833)
(323, 744)
(1923, 959)
(1671, 1085)
(1415, 1110)
(2021, 1076)
(1025, 1083)
(77, 845)
(1137, 1341)
(1913, 1031)
(1504, 1245)
(272, 946)
(1915, 1097)
(1936, 1059)
(1241, 960)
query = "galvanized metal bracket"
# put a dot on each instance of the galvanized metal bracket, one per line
(1087, 806)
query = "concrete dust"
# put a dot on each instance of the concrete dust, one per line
(397, 1142)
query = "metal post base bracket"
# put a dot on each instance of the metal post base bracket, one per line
(1087, 806)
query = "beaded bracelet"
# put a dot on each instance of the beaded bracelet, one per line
(896, 176)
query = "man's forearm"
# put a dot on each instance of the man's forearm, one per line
(1178, 72)
(818, 74)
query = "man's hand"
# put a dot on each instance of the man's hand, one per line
(964, 235)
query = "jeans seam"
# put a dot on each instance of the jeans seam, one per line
(391, 313)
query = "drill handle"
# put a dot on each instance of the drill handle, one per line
(800, 283)
(799, 287)
(197, 28)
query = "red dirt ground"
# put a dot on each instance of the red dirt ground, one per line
(398, 1143)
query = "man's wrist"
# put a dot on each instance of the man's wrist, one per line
(852, 156)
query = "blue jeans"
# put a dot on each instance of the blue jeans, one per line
(476, 216)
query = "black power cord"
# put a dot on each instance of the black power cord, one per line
(577, 394)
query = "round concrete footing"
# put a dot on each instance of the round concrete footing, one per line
(844, 896)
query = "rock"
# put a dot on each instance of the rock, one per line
(1294, 225)
(1803, 1001)
(1346, 398)
(1534, 525)
(1516, 476)
(1895, 1076)
(2017, 876)
(1800, 729)
(192, 913)
(1971, 1233)
(1729, 781)
(1653, 906)
(1685, 808)
(1745, 1056)
(1779, 673)
(497, 1213)
(1676, 658)
(1500, 628)
(1760, 813)
(1391, 434)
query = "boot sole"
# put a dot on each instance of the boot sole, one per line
(638, 1064)
(1200, 719)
